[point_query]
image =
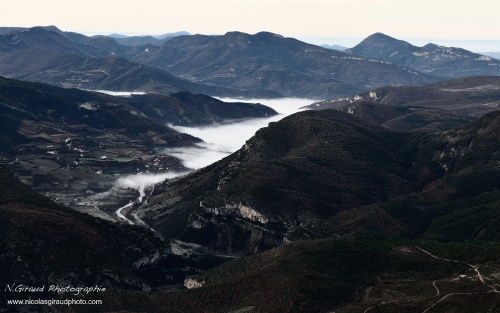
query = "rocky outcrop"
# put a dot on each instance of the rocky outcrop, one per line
(191, 283)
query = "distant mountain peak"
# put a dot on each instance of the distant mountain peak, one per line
(381, 35)
(235, 34)
(117, 36)
(262, 34)
(334, 47)
(268, 34)
(174, 34)
(438, 61)
(430, 46)
(51, 28)
(383, 39)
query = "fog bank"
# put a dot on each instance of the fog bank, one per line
(141, 181)
(120, 93)
(220, 140)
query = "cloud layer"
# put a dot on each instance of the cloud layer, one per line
(220, 140)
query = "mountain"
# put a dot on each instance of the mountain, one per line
(53, 39)
(341, 275)
(272, 62)
(284, 185)
(45, 39)
(105, 73)
(141, 41)
(262, 65)
(320, 173)
(157, 40)
(71, 143)
(49, 55)
(43, 244)
(187, 109)
(149, 40)
(441, 251)
(8, 30)
(334, 47)
(173, 34)
(114, 35)
(495, 54)
(130, 41)
(344, 214)
(432, 59)
(437, 106)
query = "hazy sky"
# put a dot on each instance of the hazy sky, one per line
(471, 23)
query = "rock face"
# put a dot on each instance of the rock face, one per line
(443, 62)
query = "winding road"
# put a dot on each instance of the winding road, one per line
(438, 291)
(474, 267)
(123, 217)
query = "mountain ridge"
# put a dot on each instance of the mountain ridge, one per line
(440, 61)
(305, 149)
(271, 61)
(74, 60)
(303, 171)
(437, 106)
(73, 143)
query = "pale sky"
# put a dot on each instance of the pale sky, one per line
(474, 25)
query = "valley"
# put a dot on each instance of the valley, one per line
(219, 141)
(81, 153)
(249, 173)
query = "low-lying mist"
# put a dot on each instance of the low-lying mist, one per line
(120, 93)
(220, 140)
(142, 181)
